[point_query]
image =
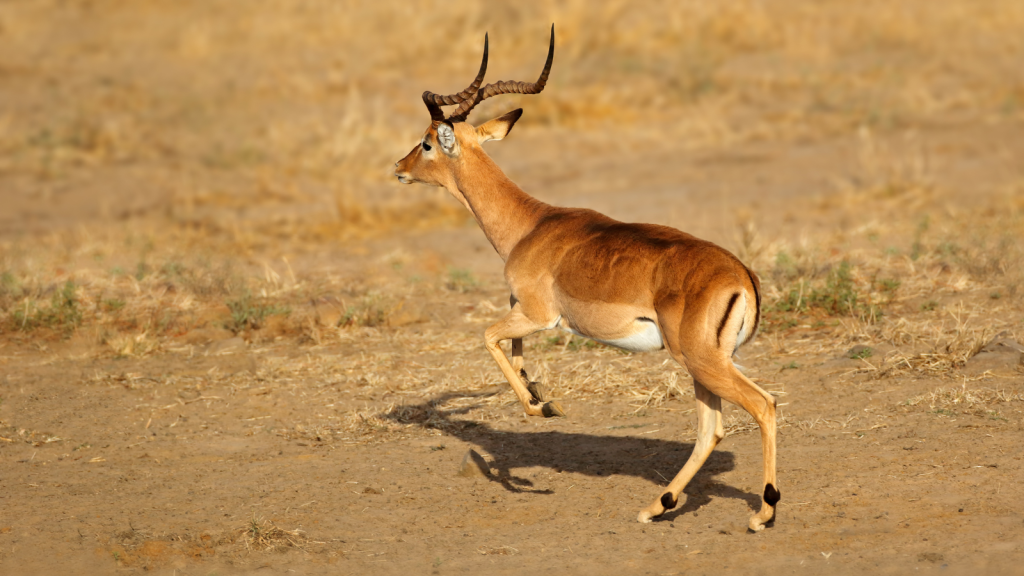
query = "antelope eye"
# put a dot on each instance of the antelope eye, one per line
(426, 147)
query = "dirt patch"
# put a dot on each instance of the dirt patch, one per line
(354, 455)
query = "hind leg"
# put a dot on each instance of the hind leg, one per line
(709, 434)
(726, 381)
(708, 357)
(766, 421)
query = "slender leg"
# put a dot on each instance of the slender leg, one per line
(734, 387)
(766, 420)
(519, 366)
(515, 325)
(517, 347)
(709, 433)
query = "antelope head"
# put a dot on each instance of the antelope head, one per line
(450, 143)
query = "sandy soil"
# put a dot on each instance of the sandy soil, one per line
(164, 462)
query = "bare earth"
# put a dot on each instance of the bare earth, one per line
(355, 451)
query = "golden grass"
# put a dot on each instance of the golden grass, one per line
(930, 291)
(262, 535)
(313, 102)
(964, 400)
(936, 301)
(450, 368)
(135, 300)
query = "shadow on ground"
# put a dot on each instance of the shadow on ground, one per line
(651, 459)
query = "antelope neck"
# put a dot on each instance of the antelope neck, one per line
(504, 212)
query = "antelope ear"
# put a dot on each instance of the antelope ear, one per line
(499, 127)
(446, 138)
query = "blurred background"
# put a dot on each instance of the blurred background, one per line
(113, 109)
(201, 235)
(251, 132)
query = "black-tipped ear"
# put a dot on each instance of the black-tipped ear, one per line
(499, 127)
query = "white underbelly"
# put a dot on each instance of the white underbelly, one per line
(646, 337)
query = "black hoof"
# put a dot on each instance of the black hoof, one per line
(552, 409)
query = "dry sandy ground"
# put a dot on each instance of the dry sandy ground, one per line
(218, 454)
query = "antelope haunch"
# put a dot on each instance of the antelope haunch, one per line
(639, 287)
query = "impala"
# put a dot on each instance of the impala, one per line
(639, 287)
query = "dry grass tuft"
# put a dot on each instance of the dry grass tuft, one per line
(948, 348)
(963, 400)
(55, 308)
(656, 396)
(943, 289)
(141, 300)
(125, 345)
(822, 422)
(262, 535)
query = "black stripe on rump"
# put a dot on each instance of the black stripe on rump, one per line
(757, 295)
(728, 310)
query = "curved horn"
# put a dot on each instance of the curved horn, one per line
(507, 87)
(435, 101)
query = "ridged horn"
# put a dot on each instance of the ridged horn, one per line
(435, 101)
(504, 87)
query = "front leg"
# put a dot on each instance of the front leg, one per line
(515, 325)
(519, 367)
